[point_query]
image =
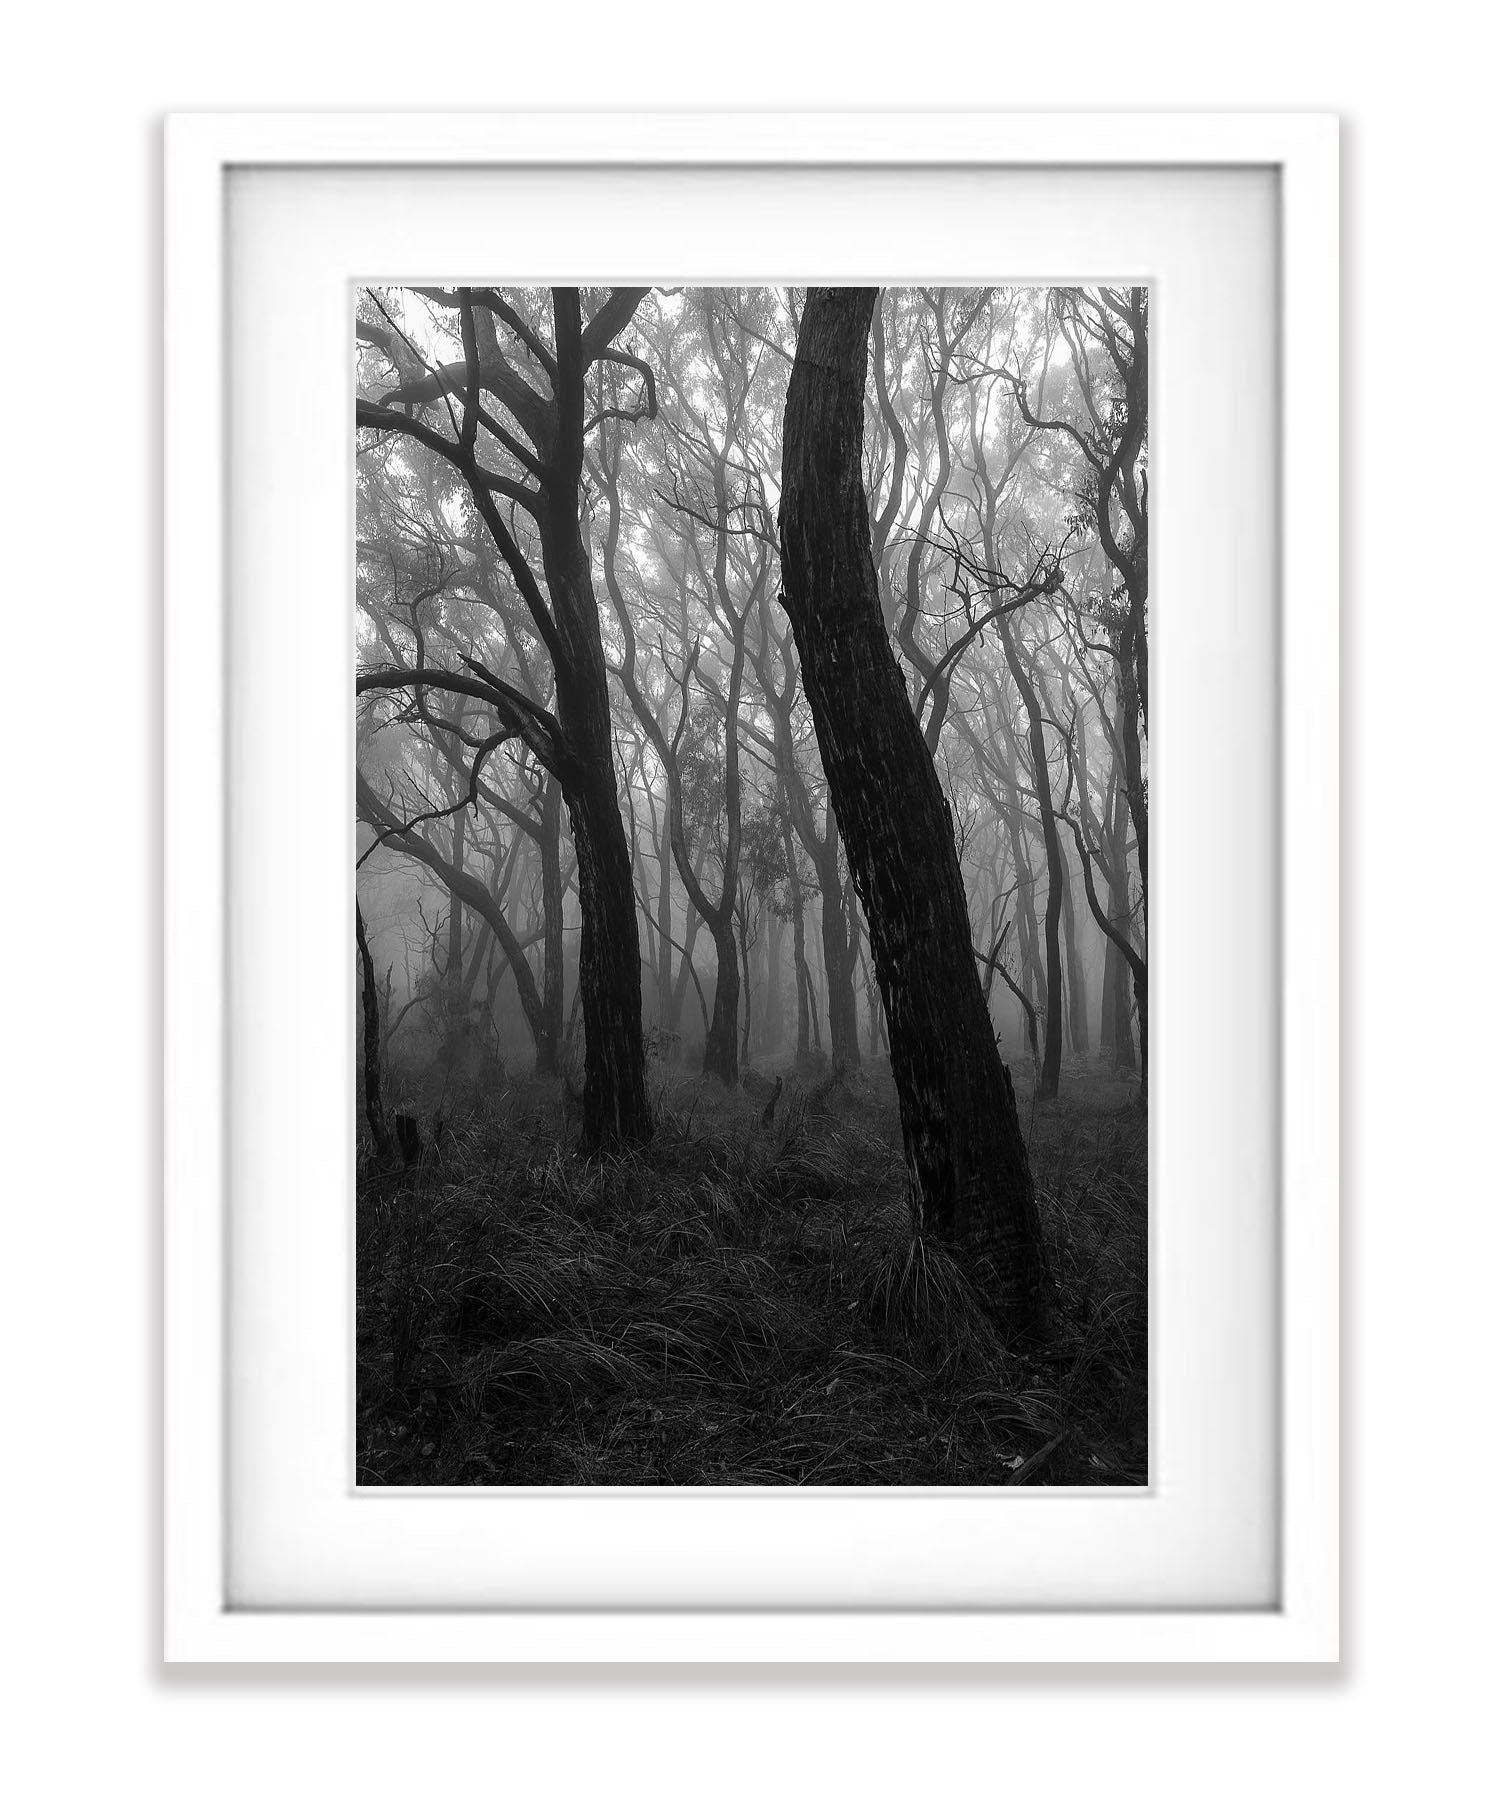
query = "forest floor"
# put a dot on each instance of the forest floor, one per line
(741, 1304)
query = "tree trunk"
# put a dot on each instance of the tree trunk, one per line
(615, 1106)
(577, 745)
(838, 973)
(1119, 907)
(721, 1057)
(799, 942)
(1127, 950)
(549, 1037)
(454, 973)
(370, 1006)
(964, 1149)
(1032, 978)
(666, 1013)
(692, 924)
(876, 1020)
(1047, 1081)
(771, 1011)
(1078, 1005)
(1124, 1035)
(746, 989)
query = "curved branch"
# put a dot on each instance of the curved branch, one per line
(465, 887)
(537, 728)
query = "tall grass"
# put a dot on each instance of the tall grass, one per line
(738, 1304)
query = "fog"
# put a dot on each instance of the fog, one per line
(752, 789)
(679, 515)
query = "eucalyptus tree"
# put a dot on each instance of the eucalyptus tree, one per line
(1083, 383)
(965, 1151)
(496, 384)
(1102, 412)
(424, 583)
(1102, 795)
(709, 573)
(804, 801)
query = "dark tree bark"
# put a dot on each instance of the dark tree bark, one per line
(615, 1106)
(964, 1148)
(549, 846)
(876, 1012)
(576, 744)
(370, 1004)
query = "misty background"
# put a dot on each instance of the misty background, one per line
(751, 926)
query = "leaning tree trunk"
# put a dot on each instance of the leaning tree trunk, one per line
(964, 1149)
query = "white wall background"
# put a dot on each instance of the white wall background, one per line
(88, 1705)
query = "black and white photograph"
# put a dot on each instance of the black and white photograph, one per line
(750, 944)
(594, 1205)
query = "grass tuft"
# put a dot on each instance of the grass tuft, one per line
(739, 1304)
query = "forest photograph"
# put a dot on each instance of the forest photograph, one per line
(750, 937)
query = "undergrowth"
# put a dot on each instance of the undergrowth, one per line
(740, 1304)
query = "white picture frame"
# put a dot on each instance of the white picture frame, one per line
(203, 1619)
